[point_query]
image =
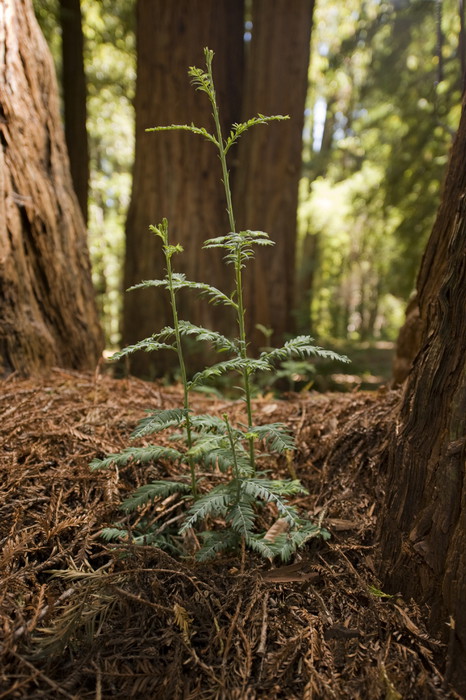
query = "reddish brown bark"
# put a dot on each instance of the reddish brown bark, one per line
(423, 527)
(177, 175)
(47, 310)
(269, 158)
(408, 342)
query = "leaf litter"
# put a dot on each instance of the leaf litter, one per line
(82, 618)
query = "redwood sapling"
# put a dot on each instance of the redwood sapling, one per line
(211, 441)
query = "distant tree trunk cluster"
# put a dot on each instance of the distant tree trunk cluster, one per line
(178, 177)
(47, 309)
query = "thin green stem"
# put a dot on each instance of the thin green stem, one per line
(239, 279)
(235, 461)
(179, 351)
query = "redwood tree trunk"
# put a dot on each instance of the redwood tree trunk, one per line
(423, 526)
(74, 98)
(47, 310)
(269, 168)
(177, 175)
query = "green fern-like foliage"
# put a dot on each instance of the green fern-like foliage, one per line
(274, 492)
(214, 295)
(179, 281)
(114, 534)
(153, 537)
(241, 516)
(234, 501)
(236, 364)
(219, 341)
(223, 459)
(214, 503)
(213, 450)
(151, 453)
(238, 246)
(277, 436)
(302, 346)
(260, 546)
(290, 487)
(198, 131)
(147, 345)
(148, 283)
(150, 492)
(238, 130)
(159, 420)
(201, 334)
(200, 79)
(205, 443)
(286, 544)
(206, 423)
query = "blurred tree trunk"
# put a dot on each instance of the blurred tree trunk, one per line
(423, 526)
(47, 309)
(269, 159)
(306, 273)
(74, 98)
(177, 175)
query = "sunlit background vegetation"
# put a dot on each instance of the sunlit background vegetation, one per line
(383, 104)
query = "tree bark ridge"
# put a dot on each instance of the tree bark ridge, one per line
(48, 314)
(423, 527)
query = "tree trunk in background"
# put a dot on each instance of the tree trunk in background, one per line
(74, 98)
(177, 175)
(47, 310)
(423, 526)
(269, 159)
(306, 273)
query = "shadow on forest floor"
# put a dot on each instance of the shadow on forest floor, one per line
(84, 619)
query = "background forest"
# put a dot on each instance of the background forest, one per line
(383, 102)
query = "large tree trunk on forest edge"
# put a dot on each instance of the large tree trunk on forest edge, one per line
(269, 168)
(177, 175)
(423, 526)
(47, 310)
(74, 98)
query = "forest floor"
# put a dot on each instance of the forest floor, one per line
(81, 618)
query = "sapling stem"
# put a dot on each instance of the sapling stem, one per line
(168, 252)
(238, 275)
(235, 461)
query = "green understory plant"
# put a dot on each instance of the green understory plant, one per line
(236, 505)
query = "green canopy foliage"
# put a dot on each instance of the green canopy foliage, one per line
(384, 103)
